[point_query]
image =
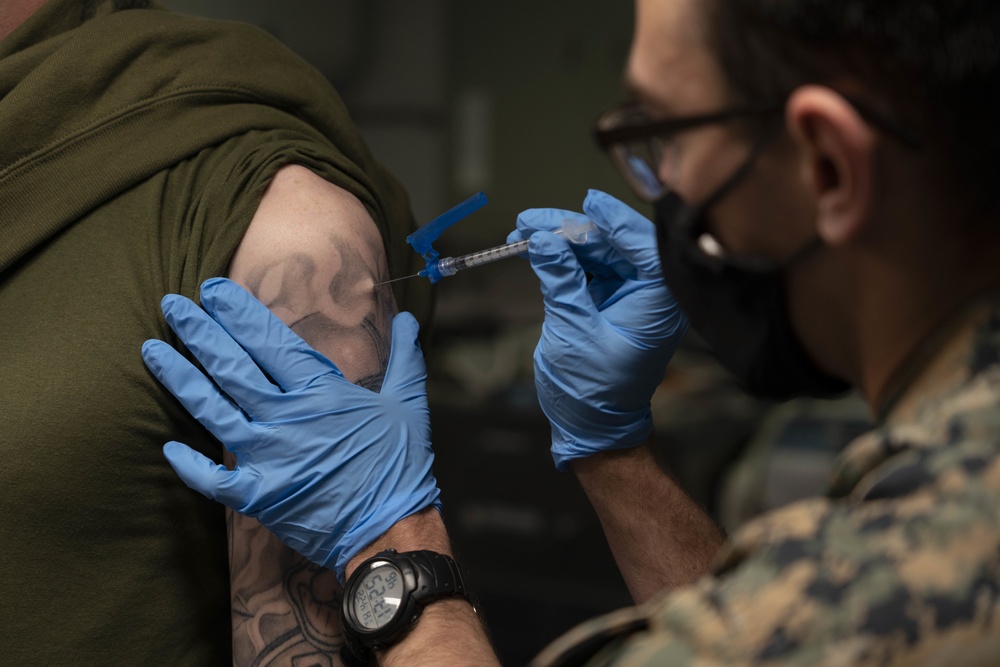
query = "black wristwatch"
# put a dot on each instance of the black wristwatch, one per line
(383, 598)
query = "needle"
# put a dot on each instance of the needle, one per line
(386, 282)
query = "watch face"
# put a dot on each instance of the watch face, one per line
(378, 596)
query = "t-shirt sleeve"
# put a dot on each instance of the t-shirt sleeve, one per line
(213, 197)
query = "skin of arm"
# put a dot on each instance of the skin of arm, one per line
(660, 538)
(312, 254)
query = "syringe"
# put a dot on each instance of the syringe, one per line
(572, 230)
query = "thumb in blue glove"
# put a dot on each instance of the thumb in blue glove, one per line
(326, 465)
(605, 343)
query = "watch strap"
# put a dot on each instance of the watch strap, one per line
(355, 654)
(438, 576)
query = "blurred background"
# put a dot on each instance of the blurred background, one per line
(458, 96)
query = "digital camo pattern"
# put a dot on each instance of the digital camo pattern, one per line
(898, 565)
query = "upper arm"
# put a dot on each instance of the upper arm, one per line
(313, 255)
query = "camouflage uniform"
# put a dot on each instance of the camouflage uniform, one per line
(898, 564)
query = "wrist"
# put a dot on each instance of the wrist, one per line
(421, 531)
(450, 632)
(568, 448)
(432, 619)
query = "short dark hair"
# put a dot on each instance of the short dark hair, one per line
(934, 65)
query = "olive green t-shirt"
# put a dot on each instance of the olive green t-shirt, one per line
(136, 146)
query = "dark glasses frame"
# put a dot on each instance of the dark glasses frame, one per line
(611, 139)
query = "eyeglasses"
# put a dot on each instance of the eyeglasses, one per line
(642, 148)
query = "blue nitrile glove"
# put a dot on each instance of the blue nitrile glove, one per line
(326, 465)
(605, 345)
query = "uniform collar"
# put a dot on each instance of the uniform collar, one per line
(951, 373)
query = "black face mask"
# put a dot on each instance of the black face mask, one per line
(737, 306)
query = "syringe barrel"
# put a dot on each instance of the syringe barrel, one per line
(490, 255)
(449, 266)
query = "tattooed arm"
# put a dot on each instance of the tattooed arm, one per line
(311, 254)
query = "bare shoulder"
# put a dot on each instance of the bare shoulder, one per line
(312, 254)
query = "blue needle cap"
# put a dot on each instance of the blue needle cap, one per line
(422, 239)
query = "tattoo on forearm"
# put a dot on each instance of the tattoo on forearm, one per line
(315, 596)
(284, 608)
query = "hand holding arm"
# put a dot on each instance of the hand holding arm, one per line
(338, 472)
(361, 460)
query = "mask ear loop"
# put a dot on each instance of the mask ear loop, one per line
(741, 171)
(719, 258)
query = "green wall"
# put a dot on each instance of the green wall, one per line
(548, 69)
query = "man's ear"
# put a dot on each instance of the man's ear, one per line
(837, 148)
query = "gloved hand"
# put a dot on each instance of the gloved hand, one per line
(326, 465)
(605, 345)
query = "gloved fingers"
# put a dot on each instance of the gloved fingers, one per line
(515, 236)
(567, 301)
(197, 394)
(277, 349)
(545, 220)
(628, 232)
(406, 360)
(205, 476)
(645, 314)
(594, 254)
(223, 358)
(605, 290)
